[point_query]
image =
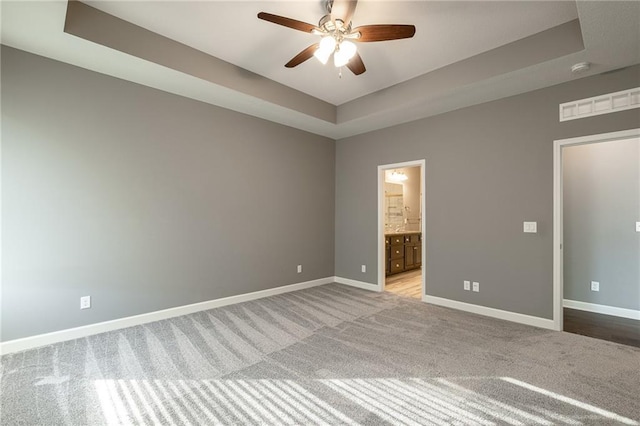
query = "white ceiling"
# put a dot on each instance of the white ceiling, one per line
(447, 33)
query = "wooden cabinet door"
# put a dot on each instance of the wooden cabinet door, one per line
(397, 252)
(418, 254)
(397, 265)
(397, 239)
(387, 260)
(409, 256)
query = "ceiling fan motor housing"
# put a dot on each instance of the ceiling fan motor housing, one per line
(334, 26)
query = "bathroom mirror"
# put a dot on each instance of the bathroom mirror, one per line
(393, 205)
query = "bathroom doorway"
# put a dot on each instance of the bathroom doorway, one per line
(401, 229)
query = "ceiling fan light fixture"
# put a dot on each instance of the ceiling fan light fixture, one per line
(345, 51)
(326, 48)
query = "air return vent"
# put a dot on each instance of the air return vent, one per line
(603, 104)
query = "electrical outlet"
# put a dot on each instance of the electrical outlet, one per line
(467, 285)
(530, 227)
(363, 268)
(595, 286)
(476, 286)
(299, 269)
(85, 302)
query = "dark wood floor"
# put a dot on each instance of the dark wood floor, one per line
(605, 327)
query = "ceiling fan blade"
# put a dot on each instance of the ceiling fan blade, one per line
(302, 56)
(356, 65)
(287, 22)
(384, 32)
(343, 9)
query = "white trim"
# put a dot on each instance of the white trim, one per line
(603, 104)
(423, 222)
(602, 309)
(558, 317)
(18, 345)
(358, 284)
(558, 290)
(491, 312)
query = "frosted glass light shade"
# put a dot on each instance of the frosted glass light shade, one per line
(327, 46)
(344, 53)
(398, 177)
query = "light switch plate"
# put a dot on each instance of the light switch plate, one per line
(595, 286)
(476, 286)
(467, 285)
(364, 268)
(637, 226)
(299, 269)
(530, 227)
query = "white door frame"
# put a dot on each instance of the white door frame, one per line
(381, 253)
(558, 285)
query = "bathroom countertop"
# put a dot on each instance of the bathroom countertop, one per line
(402, 232)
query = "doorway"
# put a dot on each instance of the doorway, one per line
(597, 236)
(401, 229)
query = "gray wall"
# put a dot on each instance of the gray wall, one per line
(601, 203)
(488, 169)
(146, 200)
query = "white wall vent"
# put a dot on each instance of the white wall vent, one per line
(603, 104)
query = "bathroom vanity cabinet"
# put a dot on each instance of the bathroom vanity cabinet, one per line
(403, 252)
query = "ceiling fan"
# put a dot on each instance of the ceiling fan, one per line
(337, 35)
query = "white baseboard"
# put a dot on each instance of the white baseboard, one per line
(491, 312)
(602, 309)
(31, 342)
(355, 283)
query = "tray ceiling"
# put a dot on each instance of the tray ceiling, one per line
(463, 53)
